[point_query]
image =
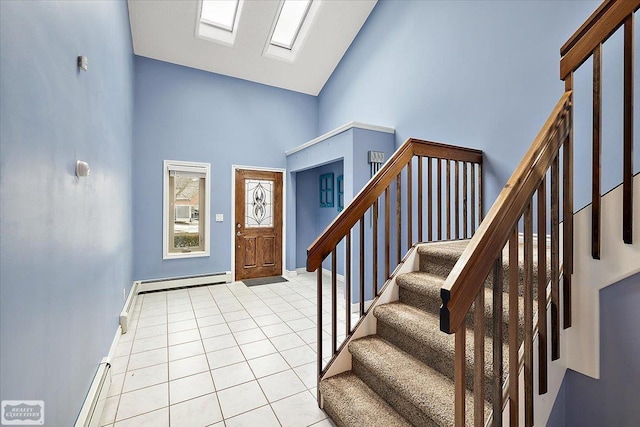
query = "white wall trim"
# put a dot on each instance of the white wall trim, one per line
(129, 305)
(233, 213)
(114, 344)
(337, 131)
(191, 166)
(327, 272)
(617, 261)
(342, 363)
(180, 282)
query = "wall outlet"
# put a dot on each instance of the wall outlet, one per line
(219, 217)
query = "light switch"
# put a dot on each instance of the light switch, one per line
(219, 217)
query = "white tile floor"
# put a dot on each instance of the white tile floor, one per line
(220, 355)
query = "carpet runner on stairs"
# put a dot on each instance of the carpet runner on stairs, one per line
(403, 375)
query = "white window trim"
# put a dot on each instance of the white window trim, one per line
(214, 33)
(289, 55)
(187, 167)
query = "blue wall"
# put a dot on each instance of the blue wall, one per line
(613, 399)
(65, 246)
(186, 114)
(311, 219)
(470, 73)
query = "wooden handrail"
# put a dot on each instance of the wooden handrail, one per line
(341, 225)
(463, 284)
(597, 29)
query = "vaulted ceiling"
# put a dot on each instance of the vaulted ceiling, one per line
(170, 30)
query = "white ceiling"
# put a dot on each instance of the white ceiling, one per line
(166, 30)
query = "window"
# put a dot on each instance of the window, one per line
(186, 209)
(219, 13)
(218, 20)
(340, 185)
(292, 15)
(326, 190)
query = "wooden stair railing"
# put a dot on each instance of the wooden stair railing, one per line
(525, 192)
(419, 170)
(548, 163)
(585, 43)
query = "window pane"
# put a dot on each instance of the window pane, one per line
(289, 22)
(219, 13)
(258, 203)
(187, 227)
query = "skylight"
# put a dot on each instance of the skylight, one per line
(288, 25)
(219, 13)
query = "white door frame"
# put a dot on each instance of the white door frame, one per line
(233, 213)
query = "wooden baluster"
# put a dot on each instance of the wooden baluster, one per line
(465, 190)
(409, 204)
(528, 315)
(457, 199)
(597, 156)
(478, 360)
(429, 199)
(627, 179)
(480, 190)
(362, 266)
(542, 287)
(473, 198)
(319, 329)
(387, 232)
(347, 283)
(420, 235)
(497, 340)
(555, 259)
(448, 199)
(459, 376)
(513, 329)
(399, 218)
(439, 201)
(334, 301)
(567, 216)
(374, 266)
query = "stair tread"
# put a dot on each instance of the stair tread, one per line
(428, 285)
(446, 253)
(427, 389)
(350, 402)
(421, 282)
(424, 328)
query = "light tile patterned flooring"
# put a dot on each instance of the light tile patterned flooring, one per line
(221, 355)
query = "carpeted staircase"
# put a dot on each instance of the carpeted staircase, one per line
(403, 375)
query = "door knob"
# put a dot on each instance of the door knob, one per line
(238, 234)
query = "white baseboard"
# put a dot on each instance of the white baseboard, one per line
(114, 344)
(180, 282)
(140, 286)
(339, 277)
(289, 273)
(129, 305)
(91, 411)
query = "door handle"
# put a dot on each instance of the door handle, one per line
(238, 234)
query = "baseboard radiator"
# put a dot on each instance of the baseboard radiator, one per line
(94, 402)
(129, 305)
(142, 286)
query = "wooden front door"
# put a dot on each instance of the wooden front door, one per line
(258, 227)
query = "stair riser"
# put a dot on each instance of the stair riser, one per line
(431, 304)
(439, 359)
(441, 266)
(413, 414)
(438, 264)
(333, 413)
